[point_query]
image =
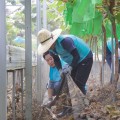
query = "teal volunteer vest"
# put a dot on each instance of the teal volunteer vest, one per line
(80, 45)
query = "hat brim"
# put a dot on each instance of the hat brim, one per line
(42, 48)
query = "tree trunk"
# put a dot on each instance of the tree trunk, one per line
(112, 19)
(104, 55)
(112, 4)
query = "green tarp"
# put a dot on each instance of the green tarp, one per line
(84, 19)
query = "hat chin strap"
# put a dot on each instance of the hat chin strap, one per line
(48, 38)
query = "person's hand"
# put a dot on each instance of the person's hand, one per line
(67, 69)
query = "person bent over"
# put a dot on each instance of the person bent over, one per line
(109, 54)
(54, 75)
(73, 50)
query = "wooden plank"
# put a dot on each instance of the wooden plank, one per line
(16, 57)
(22, 91)
(13, 96)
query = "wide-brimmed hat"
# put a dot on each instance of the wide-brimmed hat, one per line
(46, 39)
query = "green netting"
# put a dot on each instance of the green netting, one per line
(109, 29)
(97, 24)
(83, 10)
(68, 13)
(90, 13)
(79, 10)
(118, 30)
(91, 27)
(84, 19)
(78, 29)
(96, 1)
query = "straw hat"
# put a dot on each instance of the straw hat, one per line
(46, 39)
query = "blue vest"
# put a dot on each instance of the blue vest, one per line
(109, 44)
(19, 39)
(54, 74)
(81, 46)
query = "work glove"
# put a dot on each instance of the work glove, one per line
(66, 70)
(49, 103)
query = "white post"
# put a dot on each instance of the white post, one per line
(3, 81)
(39, 80)
(44, 14)
(28, 61)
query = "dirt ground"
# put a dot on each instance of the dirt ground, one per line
(101, 106)
(100, 102)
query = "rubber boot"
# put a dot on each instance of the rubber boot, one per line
(65, 111)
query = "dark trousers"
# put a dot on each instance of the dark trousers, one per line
(109, 61)
(109, 58)
(81, 73)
